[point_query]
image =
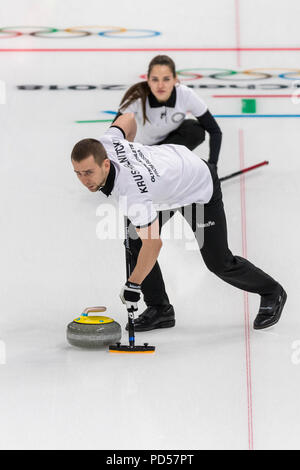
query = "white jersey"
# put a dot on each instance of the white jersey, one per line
(163, 119)
(152, 178)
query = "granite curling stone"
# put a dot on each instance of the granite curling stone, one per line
(93, 332)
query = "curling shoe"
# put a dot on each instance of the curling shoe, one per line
(270, 309)
(156, 316)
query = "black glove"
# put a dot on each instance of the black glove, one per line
(130, 295)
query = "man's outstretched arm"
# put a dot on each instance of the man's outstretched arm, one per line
(151, 245)
(127, 123)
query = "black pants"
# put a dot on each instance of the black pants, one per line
(218, 258)
(190, 133)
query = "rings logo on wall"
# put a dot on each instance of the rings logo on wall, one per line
(205, 80)
(234, 75)
(46, 32)
(241, 75)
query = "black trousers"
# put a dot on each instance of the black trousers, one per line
(215, 252)
(190, 133)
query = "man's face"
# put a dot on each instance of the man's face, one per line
(90, 173)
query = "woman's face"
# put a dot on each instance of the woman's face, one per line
(161, 82)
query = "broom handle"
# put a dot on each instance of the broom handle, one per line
(245, 170)
(128, 272)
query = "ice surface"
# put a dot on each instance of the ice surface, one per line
(201, 390)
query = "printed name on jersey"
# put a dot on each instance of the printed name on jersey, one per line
(121, 156)
(140, 157)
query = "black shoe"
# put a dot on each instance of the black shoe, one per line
(270, 310)
(155, 317)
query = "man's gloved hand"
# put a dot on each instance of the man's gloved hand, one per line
(130, 295)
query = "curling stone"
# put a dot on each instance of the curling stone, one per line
(93, 332)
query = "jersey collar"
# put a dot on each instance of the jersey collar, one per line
(154, 103)
(110, 181)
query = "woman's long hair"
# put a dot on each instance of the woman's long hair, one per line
(142, 89)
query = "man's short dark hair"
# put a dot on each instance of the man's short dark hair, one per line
(89, 147)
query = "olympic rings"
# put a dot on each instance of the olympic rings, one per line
(111, 29)
(148, 34)
(233, 75)
(222, 73)
(9, 29)
(9, 32)
(283, 75)
(50, 34)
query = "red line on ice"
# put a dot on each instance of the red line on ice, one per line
(163, 49)
(246, 303)
(254, 96)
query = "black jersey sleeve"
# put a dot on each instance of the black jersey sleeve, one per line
(208, 122)
(117, 115)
